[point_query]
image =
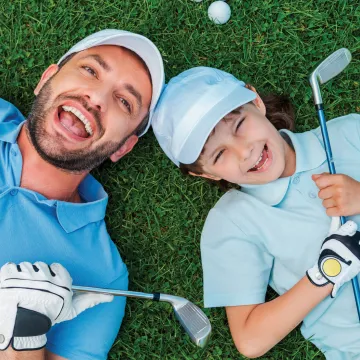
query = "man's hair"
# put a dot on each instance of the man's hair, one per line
(279, 111)
(142, 126)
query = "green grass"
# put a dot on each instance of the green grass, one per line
(155, 215)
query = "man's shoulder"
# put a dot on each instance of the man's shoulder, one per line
(10, 113)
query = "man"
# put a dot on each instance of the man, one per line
(92, 105)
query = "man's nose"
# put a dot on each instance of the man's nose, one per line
(97, 99)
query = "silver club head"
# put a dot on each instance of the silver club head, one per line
(332, 66)
(193, 320)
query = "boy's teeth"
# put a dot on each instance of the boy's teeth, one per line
(260, 158)
(81, 117)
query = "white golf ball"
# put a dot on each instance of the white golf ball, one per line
(219, 12)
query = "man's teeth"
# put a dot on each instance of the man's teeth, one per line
(81, 117)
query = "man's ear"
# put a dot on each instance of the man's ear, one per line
(125, 148)
(47, 74)
(258, 101)
(206, 176)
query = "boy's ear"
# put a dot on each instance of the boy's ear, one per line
(258, 101)
(47, 74)
(125, 148)
(206, 176)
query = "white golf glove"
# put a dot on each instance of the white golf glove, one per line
(339, 259)
(35, 297)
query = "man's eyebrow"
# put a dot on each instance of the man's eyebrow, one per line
(135, 93)
(100, 61)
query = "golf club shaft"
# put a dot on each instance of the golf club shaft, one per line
(133, 294)
(330, 160)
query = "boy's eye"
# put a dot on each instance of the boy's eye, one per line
(218, 156)
(239, 124)
(90, 70)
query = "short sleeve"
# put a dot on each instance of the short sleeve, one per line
(236, 268)
(90, 335)
(10, 113)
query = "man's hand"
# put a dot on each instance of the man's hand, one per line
(340, 194)
(339, 259)
(33, 297)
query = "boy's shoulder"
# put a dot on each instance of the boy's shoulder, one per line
(345, 127)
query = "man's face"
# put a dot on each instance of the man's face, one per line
(86, 111)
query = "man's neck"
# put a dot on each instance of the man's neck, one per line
(44, 178)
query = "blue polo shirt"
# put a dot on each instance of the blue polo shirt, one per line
(33, 228)
(271, 234)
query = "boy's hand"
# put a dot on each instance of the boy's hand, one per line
(340, 194)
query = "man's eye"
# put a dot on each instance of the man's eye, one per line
(89, 70)
(127, 105)
(218, 156)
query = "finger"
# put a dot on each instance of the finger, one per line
(325, 180)
(62, 275)
(333, 211)
(349, 228)
(44, 270)
(8, 270)
(329, 203)
(85, 301)
(335, 224)
(327, 192)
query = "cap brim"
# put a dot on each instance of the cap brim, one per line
(193, 145)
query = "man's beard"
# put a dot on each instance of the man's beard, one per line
(51, 149)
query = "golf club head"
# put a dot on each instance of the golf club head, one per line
(332, 66)
(193, 320)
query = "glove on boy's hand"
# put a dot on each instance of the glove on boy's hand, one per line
(35, 297)
(339, 259)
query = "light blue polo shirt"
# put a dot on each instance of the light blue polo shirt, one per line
(33, 228)
(271, 234)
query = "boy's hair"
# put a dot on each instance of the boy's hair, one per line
(280, 113)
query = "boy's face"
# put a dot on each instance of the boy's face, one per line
(247, 149)
(84, 112)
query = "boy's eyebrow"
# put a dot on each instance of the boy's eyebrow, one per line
(100, 61)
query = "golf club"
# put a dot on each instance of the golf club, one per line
(328, 69)
(192, 319)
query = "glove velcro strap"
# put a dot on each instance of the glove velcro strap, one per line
(30, 323)
(332, 264)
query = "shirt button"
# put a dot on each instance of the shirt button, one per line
(312, 195)
(2, 338)
(296, 180)
(13, 192)
(13, 152)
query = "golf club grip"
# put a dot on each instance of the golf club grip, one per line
(324, 132)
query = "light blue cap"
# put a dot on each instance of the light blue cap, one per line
(190, 106)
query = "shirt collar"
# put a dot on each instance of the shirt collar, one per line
(73, 216)
(309, 153)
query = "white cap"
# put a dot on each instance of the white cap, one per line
(140, 45)
(190, 106)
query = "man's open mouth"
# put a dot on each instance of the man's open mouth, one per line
(75, 121)
(261, 161)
